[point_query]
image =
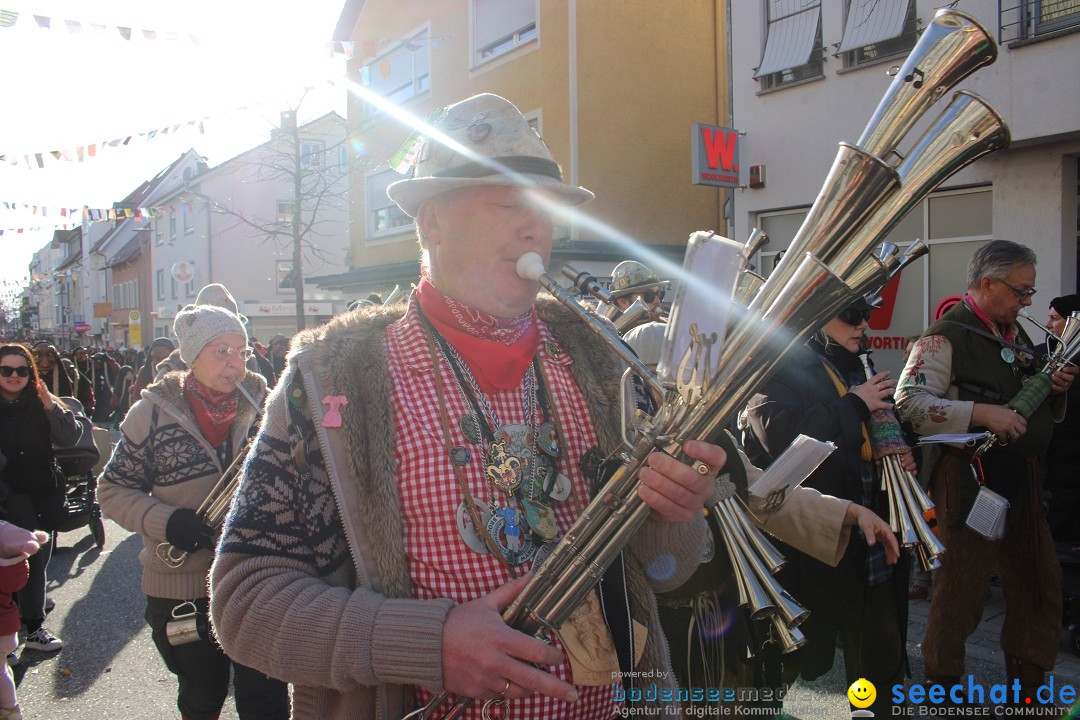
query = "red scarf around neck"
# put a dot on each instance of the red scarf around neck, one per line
(497, 350)
(1005, 331)
(214, 411)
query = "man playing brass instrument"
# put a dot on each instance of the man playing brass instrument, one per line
(415, 461)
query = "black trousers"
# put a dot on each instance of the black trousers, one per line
(202, 669)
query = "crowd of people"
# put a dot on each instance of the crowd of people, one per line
(403, 471)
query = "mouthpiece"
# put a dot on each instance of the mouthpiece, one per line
(530, 266)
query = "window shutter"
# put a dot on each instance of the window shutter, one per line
(873, 21)
(792, 30)
(496, 19)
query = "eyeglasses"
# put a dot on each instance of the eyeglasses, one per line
(8, 371)
(854, 316)
(1020, 294)
(650, 295)
(222, 352)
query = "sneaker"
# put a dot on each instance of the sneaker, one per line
(13, 659)
(42, 639)
(14, 714)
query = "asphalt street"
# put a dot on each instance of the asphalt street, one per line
(110, 669)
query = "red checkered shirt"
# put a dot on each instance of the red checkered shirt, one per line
(440, 563)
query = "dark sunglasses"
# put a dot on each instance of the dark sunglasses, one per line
(21, 371)
(854, 316)
(649, 295)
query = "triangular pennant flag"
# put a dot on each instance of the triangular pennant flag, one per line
(79, 153)
(150, 135)
(112, 214)
(125, 32)
(42, 21)
(73, 26)
(91, 150)
(40, 160)
(149, 34)
(98, 28)
(8, 18)
(55, 154)
(63, 212)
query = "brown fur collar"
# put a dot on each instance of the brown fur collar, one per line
(347, 355)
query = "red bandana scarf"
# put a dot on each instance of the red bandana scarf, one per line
(497, 350)
(214, 411)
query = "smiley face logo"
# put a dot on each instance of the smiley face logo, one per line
(862, 693)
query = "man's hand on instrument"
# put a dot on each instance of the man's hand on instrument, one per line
(676, 491)
(484, 658)
(1062, 379)
(907, 461)
(1001, 420)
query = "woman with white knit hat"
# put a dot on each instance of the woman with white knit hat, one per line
(175, 443)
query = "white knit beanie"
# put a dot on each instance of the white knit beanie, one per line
(196, 325)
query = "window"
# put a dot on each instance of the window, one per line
(792, 43)
(499, 26)
(342, 159)
(159, 231)
(285, 280)
(781, 228)
(383, 215)
(160, 278)
(876, 29)
(311, 155)
(401, 72)
(189, 220)
(172, 226)
(285, 211)
(189, 287)
(1030, 19)
(173, 286)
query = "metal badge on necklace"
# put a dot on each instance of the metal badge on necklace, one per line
(468, 531)
(514, 542)
(1008, 355)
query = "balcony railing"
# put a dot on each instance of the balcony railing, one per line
(1033, 19)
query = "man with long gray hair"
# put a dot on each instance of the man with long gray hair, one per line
(959, 378)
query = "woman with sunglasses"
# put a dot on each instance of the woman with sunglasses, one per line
(175, 443)
(32, 421)
(822, 391)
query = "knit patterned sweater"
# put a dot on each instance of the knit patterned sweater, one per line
(162, 463)
(313, 545)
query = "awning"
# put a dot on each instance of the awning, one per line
(791, 36)
(873, 21)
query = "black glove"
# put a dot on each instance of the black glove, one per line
(188, 532)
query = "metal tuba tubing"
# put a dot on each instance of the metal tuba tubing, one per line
(857, 183)
(792, 612)
(966, 130)
(752, 593)
(953, 46)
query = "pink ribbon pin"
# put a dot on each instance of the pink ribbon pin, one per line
(332, 418)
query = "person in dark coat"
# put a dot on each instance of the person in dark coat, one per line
(32, 420)
(822, 391)
(1062, 480)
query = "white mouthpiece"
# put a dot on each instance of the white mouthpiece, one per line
(530, 266)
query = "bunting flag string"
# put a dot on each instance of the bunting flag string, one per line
(69, 218)
(9, 18)
(82, 153)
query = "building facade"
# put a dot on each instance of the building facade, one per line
(808, 74)
(233, 224)
(613, 88)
